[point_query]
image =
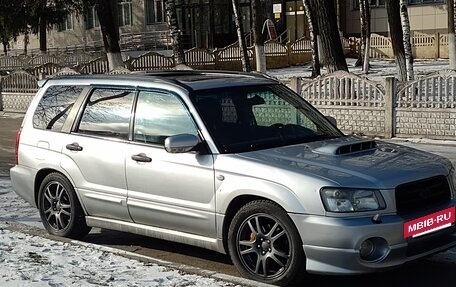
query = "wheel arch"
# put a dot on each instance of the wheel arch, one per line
(41, 175)
(232, 209)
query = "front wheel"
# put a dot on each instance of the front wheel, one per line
(59, 207)
(265, 245)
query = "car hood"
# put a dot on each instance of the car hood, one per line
(352, 161)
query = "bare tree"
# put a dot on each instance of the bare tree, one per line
(244, 56)
(257, 21)
(397, 40)
(407, 42)
(107, 15)
(364, 16)
(178, 51)
(331, 45)
(451, 34)
(313, 30)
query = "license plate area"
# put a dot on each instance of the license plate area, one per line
(430, 223)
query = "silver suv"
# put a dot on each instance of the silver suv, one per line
(232, 162)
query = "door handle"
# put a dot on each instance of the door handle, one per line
(74, 147)
(141, 157)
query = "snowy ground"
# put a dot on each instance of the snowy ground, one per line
(378, 70)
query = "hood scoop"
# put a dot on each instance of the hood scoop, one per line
(343, 148)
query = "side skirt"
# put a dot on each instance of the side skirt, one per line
(156, 232)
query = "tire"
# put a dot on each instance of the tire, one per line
(60, 210)
(264, 244)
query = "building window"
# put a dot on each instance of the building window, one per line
(412, 2)
(67, 24)
(372, 4)
(155, 11)
(124, 10)
(91, 18)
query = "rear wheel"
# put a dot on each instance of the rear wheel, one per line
(59, 207)
(265, 245)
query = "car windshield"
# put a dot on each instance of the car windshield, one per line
(257, 117)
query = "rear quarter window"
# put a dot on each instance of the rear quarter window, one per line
(54, 107)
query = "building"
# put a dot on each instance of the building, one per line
(210, 24)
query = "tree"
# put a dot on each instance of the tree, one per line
(331, 45)
(108, 17)
(451, 34)
(178, 51)
(394, 22)
(257, 21)
(406, 39)
(42, 14)
(12, 22)
(244, 56)
(364, 16)
(313, 30)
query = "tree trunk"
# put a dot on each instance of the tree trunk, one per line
(394, 21)
(43, 35)
(244, 56)
(362, 20)
(407, 42)
(178, 51)
(107, 15)
(26, 41)
(451, 34)
(367, 19)
(331, 45)
(313, 30)
(5, 48)
(257, 19)
(366, 56)
(363, 53)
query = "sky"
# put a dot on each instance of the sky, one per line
(28, 260)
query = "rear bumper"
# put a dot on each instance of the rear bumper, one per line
(332, 245)
(22, 183)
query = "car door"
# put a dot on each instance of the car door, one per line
(168, 190)
(95, 152)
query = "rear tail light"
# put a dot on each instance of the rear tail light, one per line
(16, 147)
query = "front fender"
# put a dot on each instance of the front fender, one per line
(235, 185)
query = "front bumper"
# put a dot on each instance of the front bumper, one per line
(332, 244)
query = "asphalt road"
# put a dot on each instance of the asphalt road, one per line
(421, 273)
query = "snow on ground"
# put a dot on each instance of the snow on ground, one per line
(28, 260)
(378, 70)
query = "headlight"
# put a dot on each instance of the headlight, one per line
(351, 200)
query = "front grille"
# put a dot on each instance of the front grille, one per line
(431, 241)
(421, 194)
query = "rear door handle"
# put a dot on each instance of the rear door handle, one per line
(141, 157)
(74, 147)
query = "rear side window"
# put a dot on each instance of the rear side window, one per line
(107, 113)
(54, 107)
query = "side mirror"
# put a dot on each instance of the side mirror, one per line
(181, 143)
(332, 120)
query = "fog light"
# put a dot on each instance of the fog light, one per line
(374, 249)
(366, 249)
